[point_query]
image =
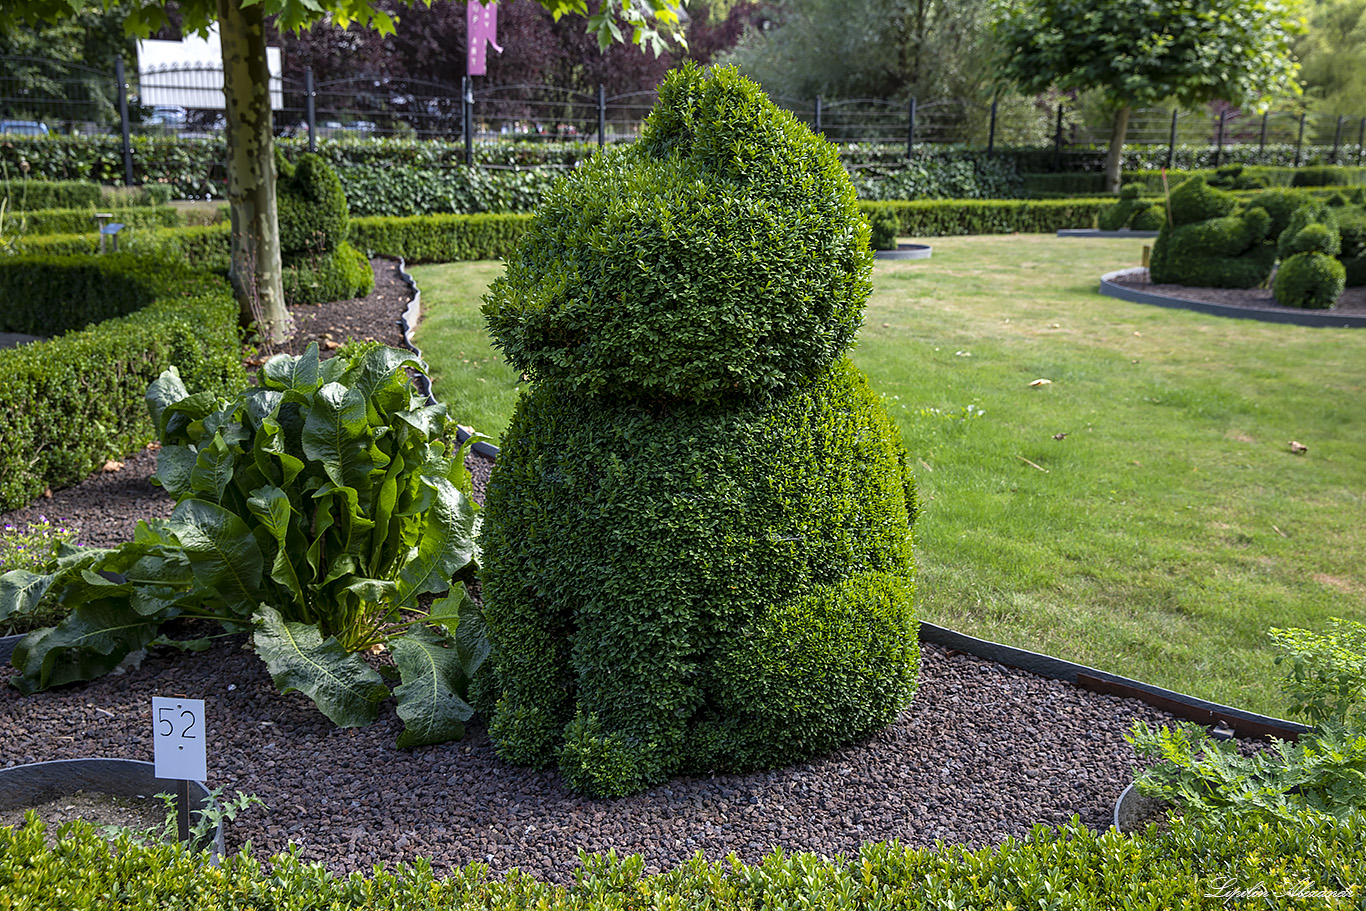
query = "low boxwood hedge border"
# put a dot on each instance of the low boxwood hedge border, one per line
(70, 403)
(1193, 866)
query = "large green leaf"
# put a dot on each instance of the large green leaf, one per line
(271, 506)
(341, 685)
(447, 544)
(175, 468)
(21, 590)
(337, 434)
(89, 642)
(461, 617)
(213, 469)
(293, 374)
(181, 422)
(164, 392)
(222, 552)
(430, 698)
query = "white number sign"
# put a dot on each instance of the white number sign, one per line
(178, 738)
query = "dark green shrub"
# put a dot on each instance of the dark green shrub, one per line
(717, 589)
(1352, 231)
(441, 238)
(1226, 252)
(726, 584)
(1312, 211)
(1316, 238)
(30, 194)
(1326, 176)
(339, 275)
(1195, 201)
(312, 207)
(1150, 218)
(1311, 281)
(1236, 177)
(698, 263)
(82, 221)
(883, 227)
(1281, 206)
(382, 188)
(75, 401)
(1123, 212)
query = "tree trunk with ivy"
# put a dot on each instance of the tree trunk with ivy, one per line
(1115, 157)
(255, 271)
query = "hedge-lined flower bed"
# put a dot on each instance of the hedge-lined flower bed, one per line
(70, 403)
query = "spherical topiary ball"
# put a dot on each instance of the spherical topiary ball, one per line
(1312, 281)
(722, 255)
(1316, 238)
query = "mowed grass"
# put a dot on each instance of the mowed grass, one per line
(1142, 512)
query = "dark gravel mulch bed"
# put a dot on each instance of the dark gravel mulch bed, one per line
(1353, 300)
(985, 751)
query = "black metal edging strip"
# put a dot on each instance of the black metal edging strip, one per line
(1313, 318)
(1178, 704)
(407, 323)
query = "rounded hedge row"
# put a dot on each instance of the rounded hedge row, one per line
(685, 588)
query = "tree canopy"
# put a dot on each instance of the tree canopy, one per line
(1136, 54)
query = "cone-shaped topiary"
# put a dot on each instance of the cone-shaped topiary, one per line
(696, 548)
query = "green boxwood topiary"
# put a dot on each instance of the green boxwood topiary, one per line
(715, 589)
(1311, 211)
(1195, 201)
(1122, 212)
(1281, 206)
(1222, 252)
(1149, 218)
(1313, 281)
(721, 255)
(1316, 238)
(312, 207)
(1352, 231)
(696, 547)
(339, 275)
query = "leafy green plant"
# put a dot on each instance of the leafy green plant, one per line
(314, 510)
(207, 817)
(32, 548)
(1324, 773)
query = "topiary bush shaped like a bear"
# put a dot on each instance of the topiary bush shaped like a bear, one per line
(1209, 243)
(723, 254)
(319, 264)
(1310, 276)
(1131, 211)
(697, 536)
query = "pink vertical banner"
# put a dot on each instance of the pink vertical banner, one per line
(482, 27)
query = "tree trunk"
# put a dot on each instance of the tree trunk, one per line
(1113, 158)
(251, 171)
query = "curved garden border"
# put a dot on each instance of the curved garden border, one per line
(1096, 232)
(1315, 318)
(39, 782)
(905, 251)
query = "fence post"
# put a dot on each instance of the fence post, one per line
(1219, 144)
(467, 119)
(602, 115)
(910, 131)
(310, 110)
(818, 113)
(123, 121)
(1261, 146)
(1361, 139)
(1299, 142)
(991, 130)
(1337, 138)
(1057, 143)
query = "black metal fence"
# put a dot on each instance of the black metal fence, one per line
(40, 96)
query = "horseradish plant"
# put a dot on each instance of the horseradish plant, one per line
(313, 510)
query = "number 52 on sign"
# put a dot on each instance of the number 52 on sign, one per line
(179, 742)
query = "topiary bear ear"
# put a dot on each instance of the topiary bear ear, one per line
(670, 127)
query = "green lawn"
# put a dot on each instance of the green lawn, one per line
(1141, 513)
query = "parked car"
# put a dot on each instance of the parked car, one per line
(171, 115)
(23, 127)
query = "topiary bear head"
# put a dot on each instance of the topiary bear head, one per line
(721, 255)
(312, 207)
(1196, 201)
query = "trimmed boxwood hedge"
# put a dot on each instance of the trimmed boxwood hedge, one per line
(69, 403)
(49, 194)
(82, 221)
(948, 217)
(1206, 867)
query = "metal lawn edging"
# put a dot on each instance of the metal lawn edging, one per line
(1096, 232)
(1110, 287)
